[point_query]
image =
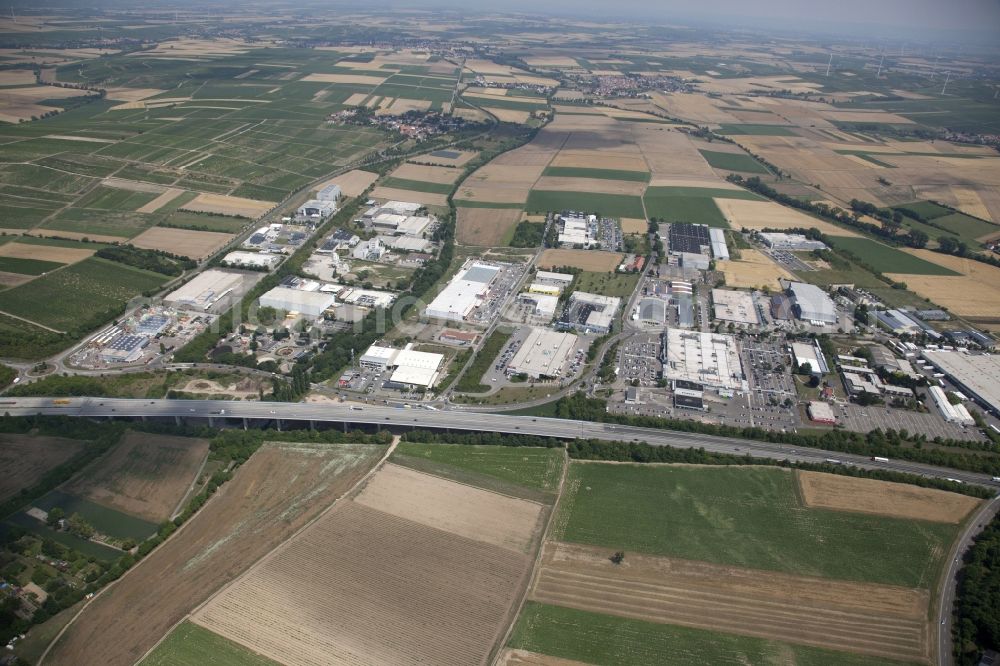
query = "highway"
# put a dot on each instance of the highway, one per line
(455, 420)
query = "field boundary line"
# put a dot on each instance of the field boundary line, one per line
(274, 551)
(194, 482)
(34, 323)
(535, 566)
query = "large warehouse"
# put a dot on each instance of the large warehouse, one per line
(590, 313)
(543, 354)
(206, 290)
(735, 306)
(309, 303)
(710, 359)
(977, 375)
(463, 293)
(812, 304)
(410, 368)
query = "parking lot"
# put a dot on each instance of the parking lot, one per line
(639, 358)
(503, 286)
(789, 260)
(864, 419)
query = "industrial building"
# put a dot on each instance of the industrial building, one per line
(687, 237)
(207, 289)
(410, 368)
(792, 242)
(288, 299)
(578, 230)
(253, 260)
(369, 250)
(545, 305)
(401, 225)
(652, 311)
(821, 412)
(465, 291)
(590, 313)
(812, 304)
(126, 348)
(709, 359)
(331, 193)
(561, 280)
(539, 288)
(718, 240)
(698, 262)
(976, 375)
(543, 354)
(811, 354)
(316, 209)
(900, 322)
(735, 306)
(406, 243)
(951, 413)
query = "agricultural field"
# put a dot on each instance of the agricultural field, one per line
(144, 475)
(749, 214)
(185, 242)
(888, 259)
(444, 560)
(678, 203)
(281, 488)
(605, 205)
(753, 270)
(485, 226)
(27, 458)
(190, 644)
(531, 467)
(595, 261)
(597, 173)
(27, 266)
(733, 162)
(973, 293)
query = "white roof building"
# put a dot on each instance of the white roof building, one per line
(378, 358)
(543, 353)
(977, 375)
(812, 304)
(413, 225)
(709, 359)
(545, 304)
(953, 413)
(781, 241)
(558, 278)
(252, 260)
(316, 208)
(718, 239)
(206, 289)
(735, 306)
(811, 354)
(369, 250)
(576, 231)
(463, 293)
(330, 193)
(309, 303)
(402, 207)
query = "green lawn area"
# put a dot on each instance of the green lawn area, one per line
(81, 296)
(743, 516)
(887, 259)
(470, 380)
(101, 222)
(732, 161)
(602, 174)
(608, 284)
(691, 204)
(609, 205)
(531, 467)
(27, 266)
(595, 638)
(758, 130)
(417, 185)
(105, 520)
(190, 644)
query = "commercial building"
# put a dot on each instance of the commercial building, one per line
(207, 289)
(545, 305)
(857, 384)
(415, 368)
(590, 313)
(687, 237)
(718, 239)
(465, 291)
(254, 260)
(698, 262)
(377, 358)
(952, 413)
(735, 306)
(543, 354)
(562, 280)
(576, 230)
(709, 359)
(792, 242)
(689, 398)
(976, 375)
(287, 299)
(812, 304)
(821, 412)
(369, 250)
(316, 208)
(539, 288)
(652, 311)
(406, 243)
(811, 354)
(126, 348)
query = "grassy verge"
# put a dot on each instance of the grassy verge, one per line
(470, 381)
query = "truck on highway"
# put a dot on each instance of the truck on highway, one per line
(832, 461)
(60, 401)
(879, 459)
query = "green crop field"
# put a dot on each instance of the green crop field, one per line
(691, 204)
(417, 185)
(109, 198)
(926, 209)
(105, 520)
(531, 467)
(189, 644)
(595, 638)
(732, 162)
(463, 203)
(609, 205)
(887, 259)
(27, 266)
(758, 130)
(608, 284)
(965, 227)
(743, 516)
(602, 174)
(498, 102)
(83, 295)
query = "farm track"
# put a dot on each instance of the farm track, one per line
(723, 605)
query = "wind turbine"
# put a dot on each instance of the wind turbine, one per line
(947, 78)
(878, 74)
(829, 64)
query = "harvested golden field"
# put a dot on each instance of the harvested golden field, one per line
(195, 48)
(974, 294)
(356, 99)
(596, 261)
(682, 181)
(17, 77)
(695, 108)
(500, 182)
(352, 183)
(899, 500)
(758, 84)
(508, 115)
(62, 255)
(867, 117)
(427, 174)
(749, 214)
(160, 201)
(396, 194)
(969, 201)
(485, 226)
(401, 105)
(632, 225)
(596, 185)
(753, 270)
(222, 204)
(865, 618)
(25, 459)
(369, 79)
(456, 508)
(132, 94)
(19, 104)
(144, 475)
(280, 489)
(670, 153)
(185, 242)
(591, 160)
(360, 586)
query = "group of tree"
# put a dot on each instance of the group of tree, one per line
(977, 602)
(528, 234)
(157, 261)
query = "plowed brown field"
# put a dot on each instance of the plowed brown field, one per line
(25, 459)
(878, 620)
(281, 488)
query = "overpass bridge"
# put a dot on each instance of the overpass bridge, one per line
(254, 413)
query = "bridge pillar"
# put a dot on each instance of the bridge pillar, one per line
(277, 424)
(143, 418)
(245, 423)
(177, 421)
(345, 426)
(312, 424)
(211, 422)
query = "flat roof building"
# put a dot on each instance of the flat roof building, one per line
(735, 306)
(316, 208)
(378, 358)
(411, 368)
(709, 359)
(812, 304)
(718, 239)
(577, 230)
(548, 277)
(821, 412)
(653, 311)
(591, 312)
(794, 242)
(811, 354)
(977, 375)
(206, 289)
(951, 413)
(126, 348)
(465, 291)
(241, 259)
(331, 193)
(543, 354)
(309, 303)
(545, 304)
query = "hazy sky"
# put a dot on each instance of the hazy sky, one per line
(905, 15)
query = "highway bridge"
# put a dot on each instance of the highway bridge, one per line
(284, 414)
